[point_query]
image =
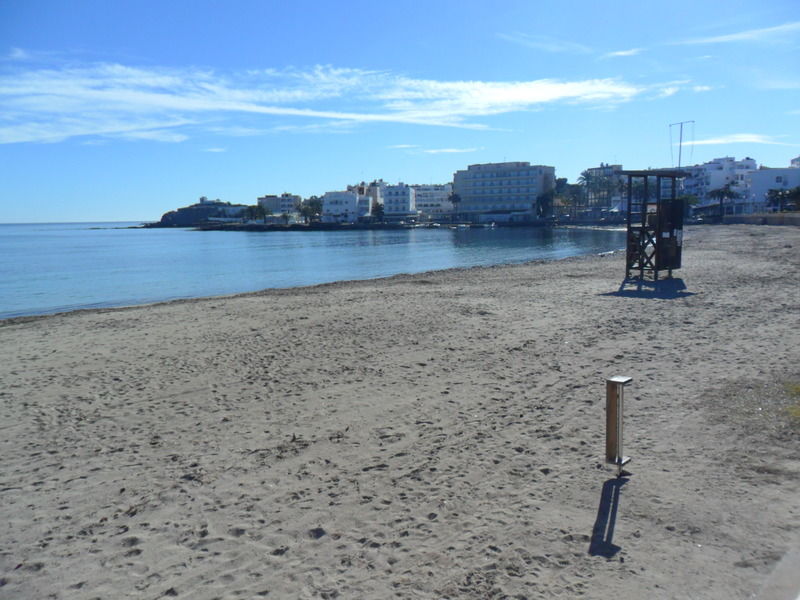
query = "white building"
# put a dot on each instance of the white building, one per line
(345, 207)
(433, 200)
(374, 190)
(716, 174)
(279, 205)
(399, 202)
(501, 191)
(765, 179)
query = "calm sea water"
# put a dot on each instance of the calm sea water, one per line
(47, 268)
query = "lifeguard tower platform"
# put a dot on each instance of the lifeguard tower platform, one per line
(654, 221)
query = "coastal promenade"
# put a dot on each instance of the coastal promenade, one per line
(437, 435)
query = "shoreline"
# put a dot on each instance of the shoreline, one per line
(14, 319)
(430, 435)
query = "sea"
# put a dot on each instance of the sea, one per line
(58, 267)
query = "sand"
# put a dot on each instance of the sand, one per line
(438, 435)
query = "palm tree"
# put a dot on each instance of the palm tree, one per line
(722, 194)
(455, 200)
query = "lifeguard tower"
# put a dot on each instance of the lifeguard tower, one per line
(655, 222)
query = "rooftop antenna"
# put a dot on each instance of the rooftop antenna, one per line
(680, 143)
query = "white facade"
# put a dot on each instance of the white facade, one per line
(502, 191)
(716, 174)
(399, 202)
(374, 190)
(765, 179)
(279, 205)
(345, 207)
(433, 200)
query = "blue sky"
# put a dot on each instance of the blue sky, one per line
(122, 110)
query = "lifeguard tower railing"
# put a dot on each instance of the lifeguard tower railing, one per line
(654, 221)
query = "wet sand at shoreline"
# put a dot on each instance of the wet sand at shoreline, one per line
(437, 435)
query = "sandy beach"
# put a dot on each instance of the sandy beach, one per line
(438, 435)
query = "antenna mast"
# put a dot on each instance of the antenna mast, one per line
(680, 143)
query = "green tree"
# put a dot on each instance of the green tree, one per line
(544, 204)
(254, 213)
(377, 211)
(722, 194)
(311, 209)
(780, 200)
(455, 200)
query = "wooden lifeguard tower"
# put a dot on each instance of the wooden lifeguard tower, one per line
(655, 222)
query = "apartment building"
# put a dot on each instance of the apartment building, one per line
(374, 190)
(760, 182)
(279, 205)
(501, 192)
(345, 207)
(433, 200)
(715, 175)
(399, 202)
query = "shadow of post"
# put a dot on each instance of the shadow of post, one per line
(601, 543)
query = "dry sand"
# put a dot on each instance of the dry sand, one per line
(430, 436)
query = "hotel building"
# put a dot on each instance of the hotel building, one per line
(501, 192)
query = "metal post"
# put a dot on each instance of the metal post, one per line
(614, 410)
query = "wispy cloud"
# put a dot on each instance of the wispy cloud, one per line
(18, 54)
(215, 150)
(618, 53)
(158, 135)
(740, 138)
(545, 43)
(779, 32)
(668, 91)
(402, 146)
(169, 105)
(450, 150)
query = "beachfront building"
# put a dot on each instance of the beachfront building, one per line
(399, 203)
(433, 201)
(345, 207)
(374, 190)
(285, 204)
(501, 192)
(718, 174)
(605, 190)
(760, 182)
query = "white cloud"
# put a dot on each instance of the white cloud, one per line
(450, 150)
(545, 43)
(668, 91)
(631, 52)
(740, 138)
(778, 83)
(52, 104)
(701, 88)
(402, 146)
(215, 150)
(751, 35)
